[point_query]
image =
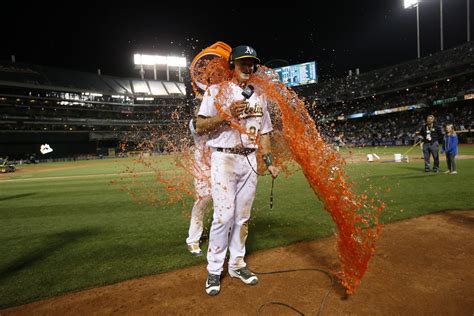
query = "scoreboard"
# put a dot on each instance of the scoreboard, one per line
(296, 75)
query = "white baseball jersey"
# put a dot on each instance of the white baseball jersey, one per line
(255, 120)
(202, 162)
(201, 153)
(199, 140)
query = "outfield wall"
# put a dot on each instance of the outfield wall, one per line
(21, 145)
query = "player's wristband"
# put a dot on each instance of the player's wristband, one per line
(267, 159)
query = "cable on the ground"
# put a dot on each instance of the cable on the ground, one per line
(323, 301)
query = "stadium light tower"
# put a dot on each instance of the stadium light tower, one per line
(410, 4)
(154, 61)
(468, 23)
(441, 22)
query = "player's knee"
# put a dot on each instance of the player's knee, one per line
(224, 217)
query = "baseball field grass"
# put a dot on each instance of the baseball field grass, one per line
(65, 227)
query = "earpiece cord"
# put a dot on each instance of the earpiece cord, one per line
(256, 172)
(247, 96)
(248, 160)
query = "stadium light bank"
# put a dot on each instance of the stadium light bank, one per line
(408, 4)
(155, 62)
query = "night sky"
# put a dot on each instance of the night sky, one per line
(340, 35)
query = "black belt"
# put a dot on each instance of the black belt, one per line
(238, 151)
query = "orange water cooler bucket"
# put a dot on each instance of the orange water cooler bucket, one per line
(218, 49)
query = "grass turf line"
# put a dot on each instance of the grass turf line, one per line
(62, 235)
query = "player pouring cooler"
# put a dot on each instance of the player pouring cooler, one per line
(233, 163)
(202, 185)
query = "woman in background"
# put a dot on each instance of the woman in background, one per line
(450, 147)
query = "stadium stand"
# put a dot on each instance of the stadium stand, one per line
(387, 106)
(86, 114)
(79, 113)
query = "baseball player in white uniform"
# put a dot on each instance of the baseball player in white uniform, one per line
(233, 165)
(202, 185)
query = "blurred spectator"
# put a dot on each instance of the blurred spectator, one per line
(450, 147)
(432, 137)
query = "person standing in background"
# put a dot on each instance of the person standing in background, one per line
(202, 185)
(432, 136)
(450, 147)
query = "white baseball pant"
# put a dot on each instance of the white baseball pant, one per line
(203, 196)
(233, 186)
(203, 192)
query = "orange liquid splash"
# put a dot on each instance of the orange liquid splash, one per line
(173, 174)
(356, 216)
(295, 139)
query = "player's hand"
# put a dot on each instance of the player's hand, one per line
(274, 171)
(237, 108)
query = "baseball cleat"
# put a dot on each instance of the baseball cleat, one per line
(213, 284)
(194, 249)
(245, 275)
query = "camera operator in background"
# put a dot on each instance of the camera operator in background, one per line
(432, 138)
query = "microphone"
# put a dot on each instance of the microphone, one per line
(248, 92)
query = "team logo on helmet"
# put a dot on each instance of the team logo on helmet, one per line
(249, 50)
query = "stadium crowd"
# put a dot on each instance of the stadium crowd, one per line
(438, 66)
(398, 128)
(426, 94)
(380, 107)
(387, 106)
